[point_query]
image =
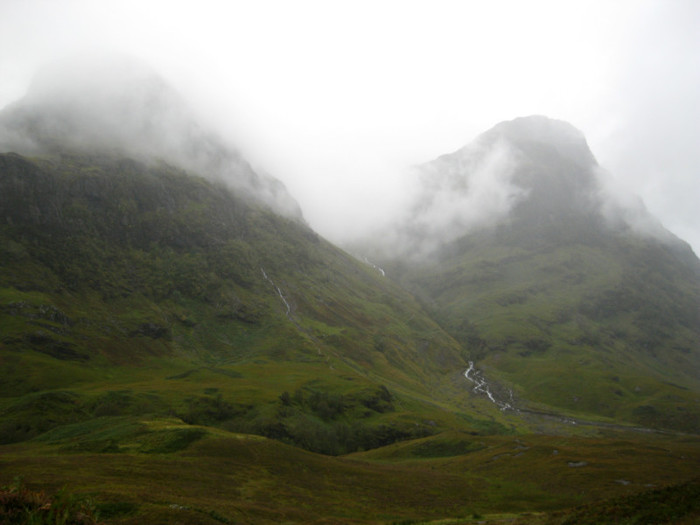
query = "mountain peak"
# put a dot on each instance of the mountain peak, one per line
(117, 105)
(113, 103)
(534, 175)
(554, 166)
(94, 76)
(528, 169)
(536, 137)
(539, 128)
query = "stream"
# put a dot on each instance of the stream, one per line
(481, 386)
(277, 289)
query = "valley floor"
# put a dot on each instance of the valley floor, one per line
(212, 477)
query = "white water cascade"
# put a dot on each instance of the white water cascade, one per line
(277, 289)
(481, 386)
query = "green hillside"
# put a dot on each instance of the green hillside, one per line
(165, 471)
(130, 289)
(173, 350)
(565, 301)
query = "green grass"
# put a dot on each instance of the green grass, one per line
(19, 505)
(256, 480)
(157, 294)
(146, 362)
(602, 328)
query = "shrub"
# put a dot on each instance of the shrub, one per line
(21, 506)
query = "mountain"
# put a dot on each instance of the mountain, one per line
(566, 297)
(178, 346)
(163, 259)
(120, 106)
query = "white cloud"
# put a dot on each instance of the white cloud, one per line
(330, 95)
(470, 191)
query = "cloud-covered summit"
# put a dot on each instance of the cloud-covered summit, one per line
(528, 173)
(119, 105)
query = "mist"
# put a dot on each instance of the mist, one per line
(623, 209)
(338, 100)
(119, 105)
(453, 196)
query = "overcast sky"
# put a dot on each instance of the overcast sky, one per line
(336, 98)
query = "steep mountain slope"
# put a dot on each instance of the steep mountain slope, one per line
(108, 262)
(120, 106)
(161, 303)
(136, 280)
(560, 292)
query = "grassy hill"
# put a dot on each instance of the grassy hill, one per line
(173, 351)
(127, 288)
(165, 471)
(155, 327)
(607, 328)
(568, 300)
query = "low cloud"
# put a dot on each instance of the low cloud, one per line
(452, 196)
(625, 210)
(120, 105)
(471, 191)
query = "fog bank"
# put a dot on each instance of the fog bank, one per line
(120, 105)
(330, 97)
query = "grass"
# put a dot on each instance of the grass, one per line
(329, 410)
(256, 480)
(672, 504)
(600, 328)
(143, 357)
(19, 505)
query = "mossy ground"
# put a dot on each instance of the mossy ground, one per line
(213, 476)
(153, 327)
